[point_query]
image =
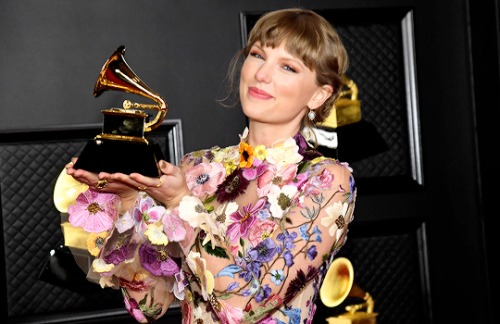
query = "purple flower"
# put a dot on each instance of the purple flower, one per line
(352, 186)
(263, 293)
(198, 156)
(119, 248)
(242, 222)
(288, 258)
(264, 251)
(157, 260)
(287, 239)
(311, 252)
(255, 170)
(307, 152)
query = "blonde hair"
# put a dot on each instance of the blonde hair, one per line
(307, 36)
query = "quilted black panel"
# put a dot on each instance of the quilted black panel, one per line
(375, 52)
(29, 167)
(389, 268)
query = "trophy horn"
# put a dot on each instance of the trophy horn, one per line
(339, 284)
(116, 74)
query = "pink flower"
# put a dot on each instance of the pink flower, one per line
(242, 222)
(173, 226)
(229, 314)
(273, 175)
(260, 231)
(146, 213)
(255, 170)
(132, 307)
(95, 211)
(205, 177)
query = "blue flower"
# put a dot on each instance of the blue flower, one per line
(263, 214)
(303, 232)
(293, 314)
(317, 231)
(277, 276)
(287, 239)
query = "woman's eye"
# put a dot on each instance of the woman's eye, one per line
(289, 68)
(257, 55)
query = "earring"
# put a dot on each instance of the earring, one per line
(311, 115)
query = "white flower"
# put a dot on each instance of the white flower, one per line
(198, 266)
(222, 214)
(283, 153)
(191, 210)
(100, 266)
(335, 218)
(280, 199)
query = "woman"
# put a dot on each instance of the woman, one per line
(244, 233)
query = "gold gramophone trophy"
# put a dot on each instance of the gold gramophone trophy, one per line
(122, 147)
(337, 286)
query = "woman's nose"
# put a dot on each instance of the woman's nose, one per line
(263, 74)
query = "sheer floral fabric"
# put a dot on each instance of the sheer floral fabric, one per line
(252, 243)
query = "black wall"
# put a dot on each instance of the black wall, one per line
(52, 51)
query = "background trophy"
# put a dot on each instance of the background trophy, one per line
(337, 286)
(122, 147)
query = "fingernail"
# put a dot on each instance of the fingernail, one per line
(163, 165)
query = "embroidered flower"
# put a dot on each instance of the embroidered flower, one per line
(173, 226)
(261, 231)
(234, 185)
(211, 229)
(95, 211)
(281, 199)
(230, 166)
(132, 307)
(198, 156)
(283, 153)
(335, 219)
(199, 267)
(177, 283)
(156, 259)
(119, 247)
(156, 235)
(311, 252)
(305, 150)
(204, 178)
(229, 314)
(146, 213)
(273, 176)
(191, 210)
(222, 216)
(95, 242)
(242, 222)
(255, 170)
(263, 293)
(277, 276)
(260, 152)
(246, 155)
(299, 282)
(352, 186)
(293, 315)
(141, 281)
(264, 252)
(100, 266)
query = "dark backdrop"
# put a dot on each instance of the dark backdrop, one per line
(52, 51)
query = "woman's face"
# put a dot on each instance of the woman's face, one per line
(276, 87)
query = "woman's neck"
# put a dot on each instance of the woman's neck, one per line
(267, 134)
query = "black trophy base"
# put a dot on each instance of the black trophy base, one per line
(119, 156)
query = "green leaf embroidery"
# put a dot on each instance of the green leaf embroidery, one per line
(218, 251)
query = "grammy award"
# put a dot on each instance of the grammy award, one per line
(122, 146)
(337, 286)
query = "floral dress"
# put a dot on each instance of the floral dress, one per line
(252, 243)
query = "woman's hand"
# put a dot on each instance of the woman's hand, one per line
(127, 193)
(169, 189)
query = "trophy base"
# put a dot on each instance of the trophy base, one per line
(120, 156)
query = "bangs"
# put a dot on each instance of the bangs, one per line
(302, 39)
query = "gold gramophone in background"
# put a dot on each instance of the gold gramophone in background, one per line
(337, 286)
(347, 109)
(122, 147)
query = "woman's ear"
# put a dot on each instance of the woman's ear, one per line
(321, 95)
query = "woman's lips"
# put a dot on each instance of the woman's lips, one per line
(259, 94)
